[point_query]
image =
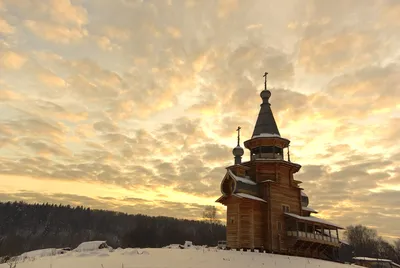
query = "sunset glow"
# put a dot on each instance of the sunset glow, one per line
(132, 105)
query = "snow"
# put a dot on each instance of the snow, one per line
(199, 257)
(250, 197)
(268, 181)
(376, 260)
(267, 135)
(241, 179)
(309, 209)
(370, 259)
(40, 253)
(90, 245)
(313, 219)
(188, 244)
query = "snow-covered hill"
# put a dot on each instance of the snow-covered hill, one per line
(174, 258)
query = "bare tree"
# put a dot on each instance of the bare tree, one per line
(367, 243)
(210, 215)
(363, 239)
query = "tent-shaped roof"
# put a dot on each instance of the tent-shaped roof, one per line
(265, 122)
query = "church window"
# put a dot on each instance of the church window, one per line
(285, 208)
(279, 226)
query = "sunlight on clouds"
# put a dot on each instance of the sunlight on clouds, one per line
(174, 32)
(104, 43)
(5, 27)
(95, 190)
(52, 80)
(56, 33)
(137, 102)
(254, 26)
(226, 7)
(6, 95)
(390, 15)
(63, 11)
(383, 187)
(12, 60)
(346, 204)
(116, 33)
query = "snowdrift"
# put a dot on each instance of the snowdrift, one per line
(173, 258)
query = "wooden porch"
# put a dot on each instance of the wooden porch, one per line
(312, 237)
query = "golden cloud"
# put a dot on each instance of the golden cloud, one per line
(174, 32)
(337, 52)
(56, 33)
(7, 95)
(102, 102)
(226, 7)
(52, 80)
(65, 12)
(12, 60)
(5, 27)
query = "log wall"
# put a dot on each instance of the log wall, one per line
(232, 225)
(245, 223)
(282, 194)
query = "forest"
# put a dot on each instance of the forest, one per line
(25, 227)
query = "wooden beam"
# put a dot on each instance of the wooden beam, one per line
(314, 231)
(306, 229)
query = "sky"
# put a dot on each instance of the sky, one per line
(132, 105)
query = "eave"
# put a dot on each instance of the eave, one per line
(223, 198)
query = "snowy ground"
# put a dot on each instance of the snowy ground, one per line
(174, 258)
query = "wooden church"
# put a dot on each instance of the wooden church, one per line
(266, 207)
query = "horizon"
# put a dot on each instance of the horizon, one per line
(133, 105)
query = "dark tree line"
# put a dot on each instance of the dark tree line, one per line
(367, 243)
(25, 227)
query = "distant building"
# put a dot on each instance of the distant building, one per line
(266, 207)
(375, 263)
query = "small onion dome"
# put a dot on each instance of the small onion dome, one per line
(265, 95)
(304, 199)
(238, 151)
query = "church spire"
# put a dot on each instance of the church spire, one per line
(238, 137)
(238, 151)
(265, 122)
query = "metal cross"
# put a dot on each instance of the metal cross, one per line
(265, 80)
(238, 138)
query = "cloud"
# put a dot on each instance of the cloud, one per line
(65, 12)
(55, 33)
(103, 126)
(52, 80)
(346, 193)
(36, 127)
(136, 96)
(5, 27)
(7, 95)
(346, 49)
(131, 205)
(55, 21)
(12, 60)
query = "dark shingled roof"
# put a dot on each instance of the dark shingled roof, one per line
(265, 121)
